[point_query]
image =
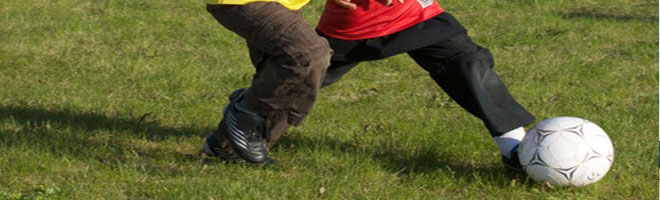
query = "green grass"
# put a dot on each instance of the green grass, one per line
(111, 99)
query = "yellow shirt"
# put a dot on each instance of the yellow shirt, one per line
(290, 4)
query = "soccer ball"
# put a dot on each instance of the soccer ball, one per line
(566, 151)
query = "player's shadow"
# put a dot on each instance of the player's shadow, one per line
(404, 164)
(45, 130)
(89, 121)
(48, 130)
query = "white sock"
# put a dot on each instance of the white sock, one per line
(509, 140)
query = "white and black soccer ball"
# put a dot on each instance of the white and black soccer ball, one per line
(566, 151)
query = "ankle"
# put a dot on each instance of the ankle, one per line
(509, 141)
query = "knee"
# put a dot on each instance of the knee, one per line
(318, 53)
(320, 61)
(484, 55)
(321, 57)
(466, 60)
(478, 53)
(309, 57)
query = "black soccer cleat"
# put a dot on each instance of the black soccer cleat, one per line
(217, 145)
(513, 162)
(245, 131)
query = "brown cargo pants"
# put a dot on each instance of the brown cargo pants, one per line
(290, 59)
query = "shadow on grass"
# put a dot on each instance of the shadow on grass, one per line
(424, 161)
(122, 150)
(582, 14)
(46, 130)
(89, 121)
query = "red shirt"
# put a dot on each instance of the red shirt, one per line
(373, 19)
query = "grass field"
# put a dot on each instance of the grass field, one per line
(111, 99)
